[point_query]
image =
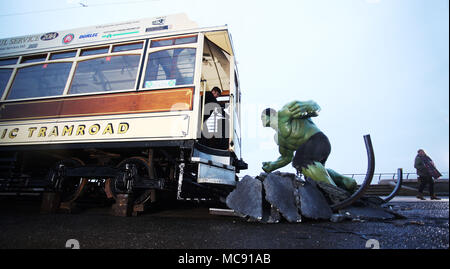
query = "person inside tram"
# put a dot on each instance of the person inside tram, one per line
(211, 102)
(212, 116)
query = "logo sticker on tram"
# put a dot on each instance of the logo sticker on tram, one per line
(160, 83)
(68, 38)
(49, 36)
(90, 35)
(156, 28)
(159, 21)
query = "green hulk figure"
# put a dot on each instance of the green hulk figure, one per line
(295, 131)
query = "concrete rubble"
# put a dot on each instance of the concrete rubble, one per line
(280, 193)
(269, 197)
(246, 199)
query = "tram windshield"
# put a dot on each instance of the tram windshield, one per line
(171, 66)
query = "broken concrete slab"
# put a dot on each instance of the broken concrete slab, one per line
(246, 198)
(313, 204)
(280, 193)
(269, 196)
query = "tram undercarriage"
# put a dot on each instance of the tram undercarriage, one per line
(131, 178)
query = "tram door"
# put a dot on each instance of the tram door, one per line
(217, 129)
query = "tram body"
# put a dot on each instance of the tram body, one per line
(121, 104)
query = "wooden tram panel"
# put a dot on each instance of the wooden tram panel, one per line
(163, 100)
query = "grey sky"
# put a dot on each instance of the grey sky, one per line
(378, 67)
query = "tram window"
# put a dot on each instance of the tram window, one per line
(5, 74)
(170, 67)
(34, 58)
(186, 40)
(173, 41)
(63, 55)
(40, 80)
(94, 51)
(8, 61)
(109, 73)
(125, 47)
(161, 43)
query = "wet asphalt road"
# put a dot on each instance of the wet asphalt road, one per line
(188, 225)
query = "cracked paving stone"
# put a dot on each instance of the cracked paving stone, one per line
(280, 193)
(313, 204)
(246, 198)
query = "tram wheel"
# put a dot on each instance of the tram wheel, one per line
(142, 171)
(70, 187)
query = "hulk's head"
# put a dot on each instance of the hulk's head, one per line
(267, 116)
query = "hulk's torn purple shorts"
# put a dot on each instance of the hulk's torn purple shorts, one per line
(316, 149)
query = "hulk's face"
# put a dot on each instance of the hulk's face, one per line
(267, 116)
(265, 120)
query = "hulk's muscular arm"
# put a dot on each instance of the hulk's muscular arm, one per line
(300, 110)
(283, 160)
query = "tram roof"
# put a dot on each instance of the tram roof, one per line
(106, 33)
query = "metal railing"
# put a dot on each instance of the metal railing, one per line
(392, 176)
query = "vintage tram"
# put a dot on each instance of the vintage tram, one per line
(121, 106)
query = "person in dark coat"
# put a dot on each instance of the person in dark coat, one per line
(211, 102)
(211, 97)
(211, 139)
(427, 172)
